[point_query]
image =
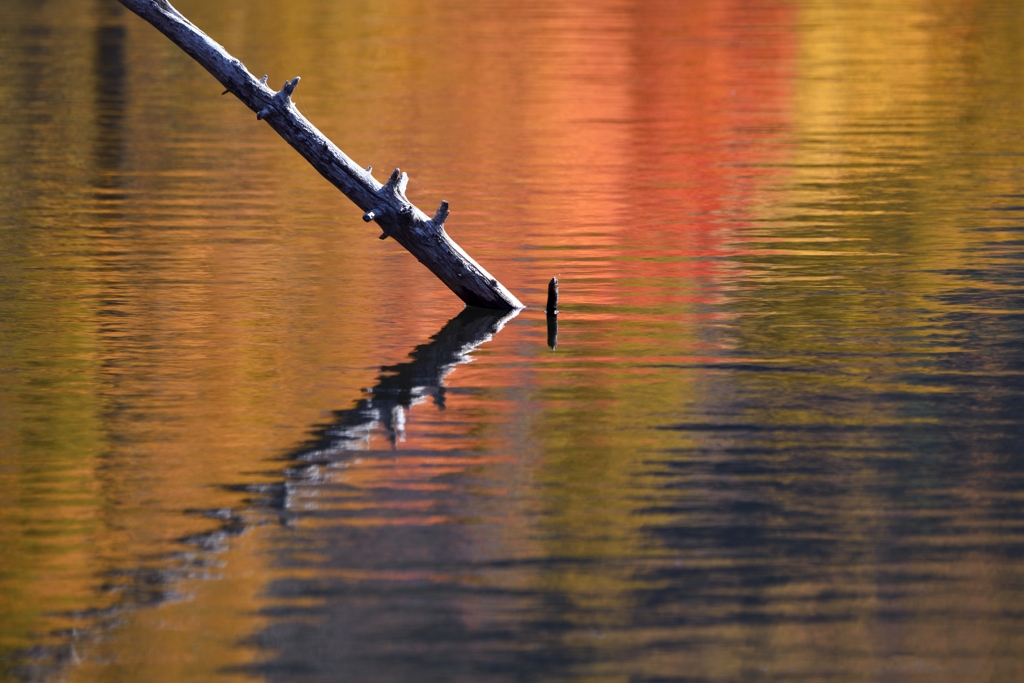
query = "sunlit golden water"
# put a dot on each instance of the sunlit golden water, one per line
(779, 439)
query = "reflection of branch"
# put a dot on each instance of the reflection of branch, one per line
(399, 387)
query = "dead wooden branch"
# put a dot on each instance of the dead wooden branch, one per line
(424, 237)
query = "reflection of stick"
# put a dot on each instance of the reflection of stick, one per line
(423, 236)
(399, 387)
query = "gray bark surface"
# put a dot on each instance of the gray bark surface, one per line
(423, 236)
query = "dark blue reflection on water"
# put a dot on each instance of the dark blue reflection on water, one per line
(906, 521)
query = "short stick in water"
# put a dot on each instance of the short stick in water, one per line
(552, 307)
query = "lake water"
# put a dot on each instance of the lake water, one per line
(780, 437)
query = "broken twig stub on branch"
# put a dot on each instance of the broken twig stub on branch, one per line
(423, 236)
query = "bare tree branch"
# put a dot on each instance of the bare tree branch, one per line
(423, 236)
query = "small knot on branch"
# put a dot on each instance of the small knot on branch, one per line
(441, 215)
(281, 101)
(369, 169)
(263, 81)
(374, 214)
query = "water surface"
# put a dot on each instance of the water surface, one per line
(779, 438)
